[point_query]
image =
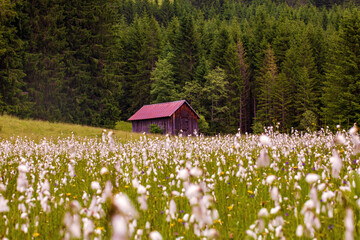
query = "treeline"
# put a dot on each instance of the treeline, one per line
(240, 64)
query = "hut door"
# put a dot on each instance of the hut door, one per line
(185, 125)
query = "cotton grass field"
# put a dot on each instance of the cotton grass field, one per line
(270, 186)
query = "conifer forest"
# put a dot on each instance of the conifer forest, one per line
(241, 64)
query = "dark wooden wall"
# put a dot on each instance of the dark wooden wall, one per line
(186, 120)
(144, 125)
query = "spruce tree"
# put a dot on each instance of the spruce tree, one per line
(267, 80)
(163, 88)
(216, 91)
(341, 90)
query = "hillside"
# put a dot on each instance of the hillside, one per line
(11, 127)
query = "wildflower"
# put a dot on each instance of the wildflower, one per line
(230, 207)
(36, 234)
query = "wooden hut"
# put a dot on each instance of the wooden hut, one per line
(170, 116)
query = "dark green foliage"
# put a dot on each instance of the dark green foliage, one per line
(13, 94)
(238, 63)
(342, 88)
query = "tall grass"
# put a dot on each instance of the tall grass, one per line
(12, 127)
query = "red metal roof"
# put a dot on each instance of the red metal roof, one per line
(159, 110)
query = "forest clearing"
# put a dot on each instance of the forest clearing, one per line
(269, 186)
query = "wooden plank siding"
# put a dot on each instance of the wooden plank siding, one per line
(144, 125)
(185, 120)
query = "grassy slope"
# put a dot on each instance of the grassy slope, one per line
(36, 130)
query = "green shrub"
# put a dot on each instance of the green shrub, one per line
(308, 121)
(257, 128)
(203, 125)
(155, 129)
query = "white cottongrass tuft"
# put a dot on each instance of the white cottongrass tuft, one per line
(95, 185)
(263, 213)
(336, 164)
(263, 160)
(124, 205)
(311, 178)
(104, 171)
(270, 179)
(3, 204)
(120, 227)
(265, 140)
(183, 174)
(349, 224)
(155, 235)
(23, 168)
(172, 209)
(340, 139)
(353, 130)
(196, 172)
(274, 193)
(299, 230)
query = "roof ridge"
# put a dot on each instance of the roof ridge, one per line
(163, 103)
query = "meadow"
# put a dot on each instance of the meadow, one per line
(269, 186)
